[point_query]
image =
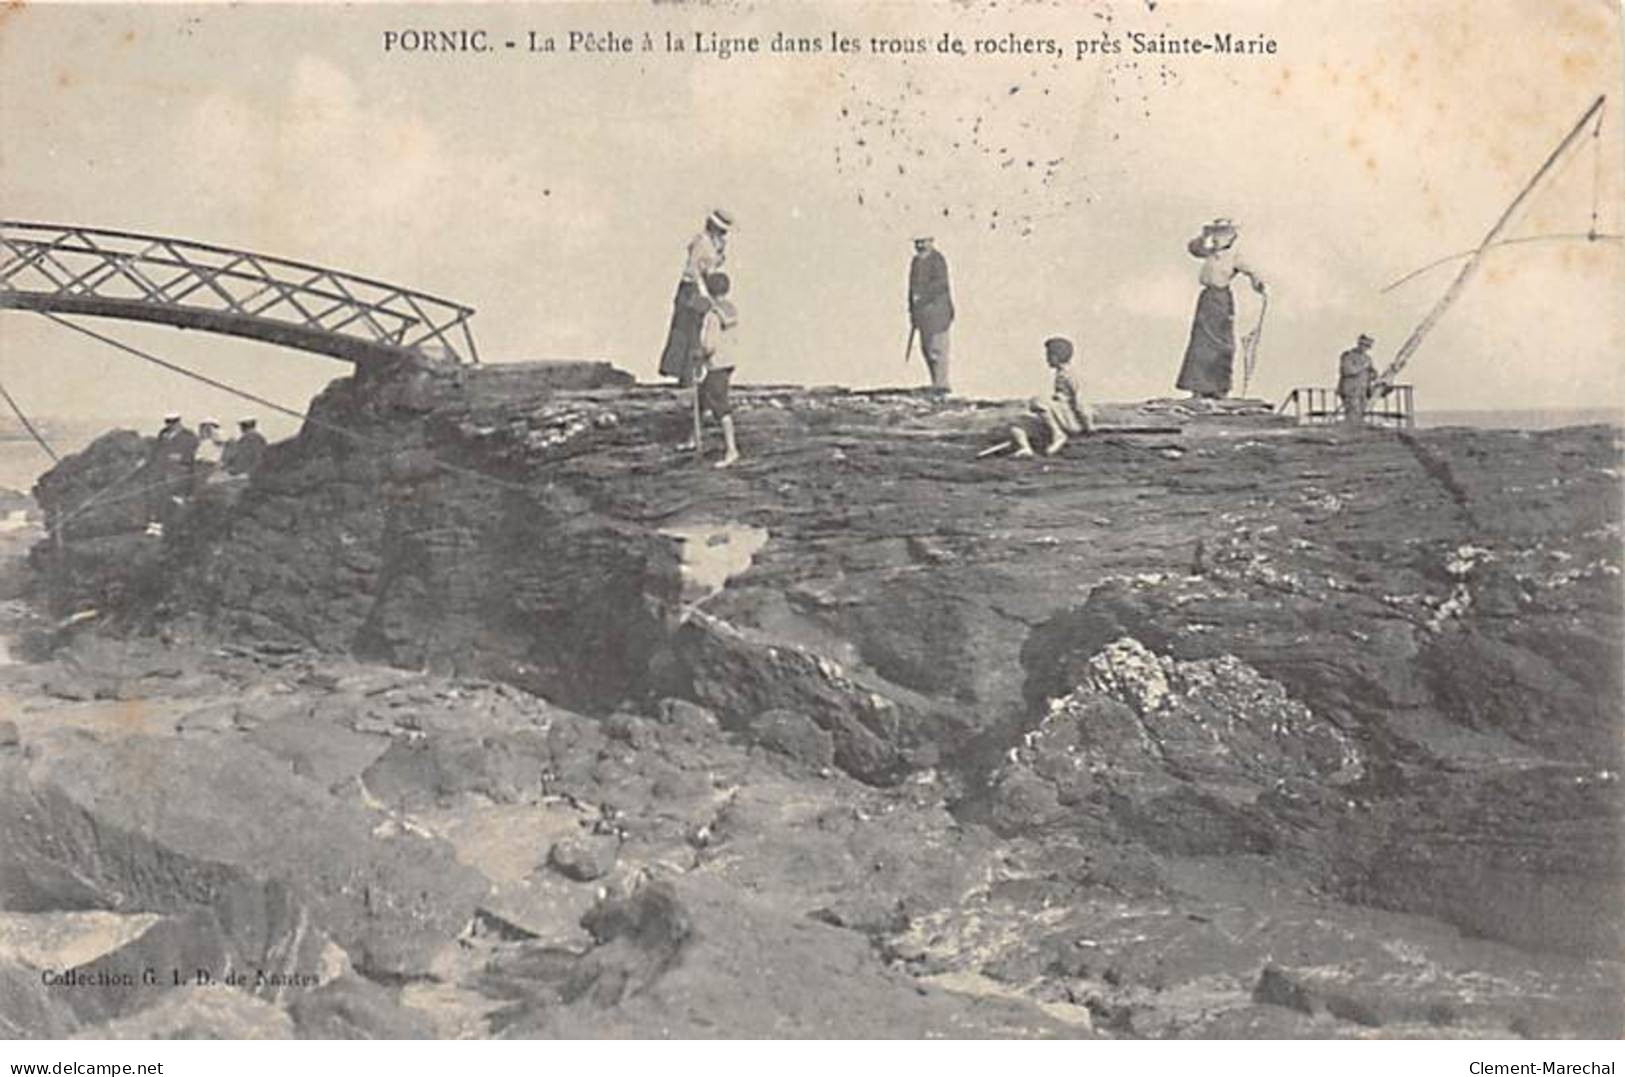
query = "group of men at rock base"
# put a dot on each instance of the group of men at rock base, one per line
(697, 352)
(181, 463)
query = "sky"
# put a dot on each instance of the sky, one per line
(555, 192)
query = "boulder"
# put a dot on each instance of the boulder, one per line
(582, 859)
(1182, 756)
(173, 826)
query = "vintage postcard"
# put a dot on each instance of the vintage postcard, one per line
(969, 519)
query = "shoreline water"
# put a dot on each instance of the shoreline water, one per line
(1521, 418)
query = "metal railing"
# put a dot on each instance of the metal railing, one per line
(1396, 407)
(70, 269)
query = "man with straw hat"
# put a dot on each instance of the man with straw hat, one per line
(1211, 353)
(930, 308)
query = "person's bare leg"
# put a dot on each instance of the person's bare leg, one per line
(1024, 447)
(1057, 433)
(730, 449)
(695, 442)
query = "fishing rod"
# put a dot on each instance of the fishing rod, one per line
(1385, 381)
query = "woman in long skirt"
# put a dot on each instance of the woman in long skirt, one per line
(706, 254)
(1211, 353)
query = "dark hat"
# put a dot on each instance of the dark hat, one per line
(1364, 341)
(717, 283)
(248, 422)
(1058, 350)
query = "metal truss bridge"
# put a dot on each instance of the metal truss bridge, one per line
(70, 269)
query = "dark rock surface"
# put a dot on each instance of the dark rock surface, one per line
(1256, 730)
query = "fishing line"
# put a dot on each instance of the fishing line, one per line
(1596, 171)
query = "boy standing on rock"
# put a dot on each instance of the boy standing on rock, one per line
(1065, 412)
(713, 365)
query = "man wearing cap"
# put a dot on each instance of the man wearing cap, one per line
(931, 307)
(243, 454)
(1355, 373)
(169, 463)
(1211, 353)
(706, 254)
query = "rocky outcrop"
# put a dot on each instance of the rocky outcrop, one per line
(1177, 755)
(1167, 735)
(864, 569)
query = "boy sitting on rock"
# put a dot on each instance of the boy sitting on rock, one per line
(1065, 412)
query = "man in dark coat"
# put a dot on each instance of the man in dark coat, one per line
(242, 455)
(1355, 374)
(931, 307)
(169, 466)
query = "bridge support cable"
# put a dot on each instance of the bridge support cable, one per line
(17, 411)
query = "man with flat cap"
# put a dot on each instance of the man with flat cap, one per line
(931, 307)
(706, 254)
(243, 454)
(1210, 355)
(1355, 375)
(169, 465)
